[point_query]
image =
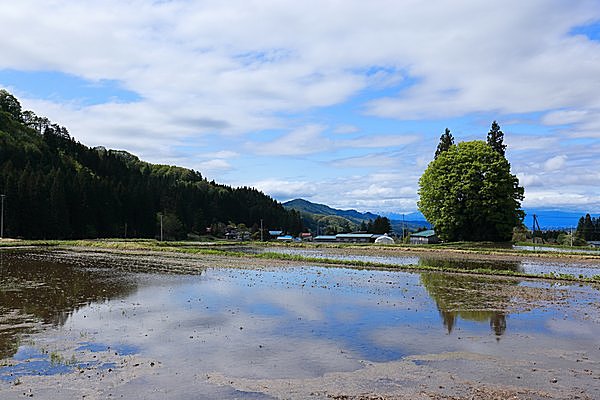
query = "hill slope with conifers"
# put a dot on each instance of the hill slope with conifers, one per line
(56, 187)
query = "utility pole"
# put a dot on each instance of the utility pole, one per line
(571, 236)
(161, 227)
(533, 233)
(402, 228)
(261, 230)
(536, 222)
(2, 218)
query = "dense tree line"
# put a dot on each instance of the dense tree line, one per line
(588, 228)
(56, 187)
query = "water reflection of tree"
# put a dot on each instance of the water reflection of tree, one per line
(469, 298)
(34, 291)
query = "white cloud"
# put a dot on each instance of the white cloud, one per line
(529, 180)
(564, 117)
(376, 191)
(287, 190)
(527, 143)
(215, 165)
(206, 70)
(302, 141)
(374, 141)
(224, 154)
(555, 163)
(559, 198)
(385, 192)
(373, 191)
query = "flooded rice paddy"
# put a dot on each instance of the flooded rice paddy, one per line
(558, 249)
(577, 269)
(156, 326)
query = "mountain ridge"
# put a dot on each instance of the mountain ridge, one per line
(549, 219)
(356, 217)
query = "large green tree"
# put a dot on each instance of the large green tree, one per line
(468, 193)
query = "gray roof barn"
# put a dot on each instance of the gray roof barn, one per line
(424, 237)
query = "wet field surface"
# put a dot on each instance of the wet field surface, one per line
(558, 249)
(157, 326)
(577, 269)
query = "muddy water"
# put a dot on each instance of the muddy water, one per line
(73, 325)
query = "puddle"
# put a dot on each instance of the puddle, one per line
(293, 322)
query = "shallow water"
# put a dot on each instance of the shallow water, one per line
(530, 267)
(557, 249)
(61, 317)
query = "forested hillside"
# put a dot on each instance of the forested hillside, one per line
(56, 187)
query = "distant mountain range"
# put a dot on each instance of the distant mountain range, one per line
(548, 219)
(322, 209)
(554, 219)
(313, 212)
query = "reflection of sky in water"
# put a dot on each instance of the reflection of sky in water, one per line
(31, 361)
(118, 349)
(288, 322)
(557, 249)
(296, 322)
(576, 269)
(529, 267)
(391, 260)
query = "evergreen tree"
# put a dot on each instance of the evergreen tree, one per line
(446, 141)
(9, 104)
(381, 225)
(586, 228)
(495, 139)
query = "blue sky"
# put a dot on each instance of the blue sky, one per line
(338, 103)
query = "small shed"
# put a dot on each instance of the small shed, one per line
(306, 236)
(385, 239)
(424, 237)
(594, 243)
